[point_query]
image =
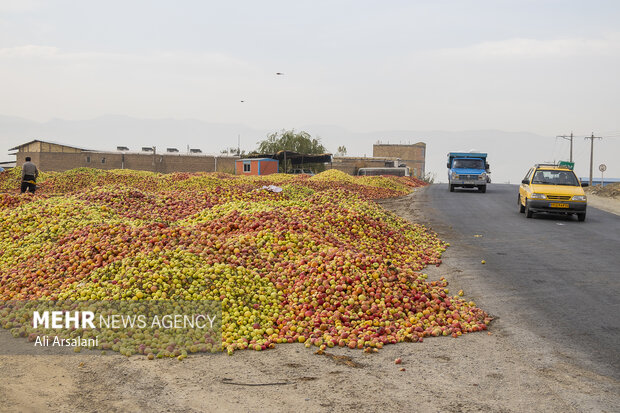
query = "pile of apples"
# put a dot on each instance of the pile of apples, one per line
(318, 263)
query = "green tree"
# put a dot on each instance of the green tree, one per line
(289, 140)
(342, 150)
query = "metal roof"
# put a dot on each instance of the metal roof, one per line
(296, 158)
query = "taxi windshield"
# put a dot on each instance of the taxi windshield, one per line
(553, 177)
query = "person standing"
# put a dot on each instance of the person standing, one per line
(30, 173)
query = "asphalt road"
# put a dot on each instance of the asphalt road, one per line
(550, 275)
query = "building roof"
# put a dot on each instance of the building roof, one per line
(594, 179)
(97, 151)
(366, 158)
(53, 143)
(379, 143)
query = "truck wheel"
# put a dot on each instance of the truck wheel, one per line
(482, 189)
(451, 188)
(528, 211)
(521, 207)
(581, 217)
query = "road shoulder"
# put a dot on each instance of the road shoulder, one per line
(607, 204)
(523, 360)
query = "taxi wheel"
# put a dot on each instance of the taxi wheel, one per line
(521, 207)
(581, 217)
(451, 188)
(528, 211)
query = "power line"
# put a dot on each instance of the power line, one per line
(592, 152)
(605, 134)
(568, 138)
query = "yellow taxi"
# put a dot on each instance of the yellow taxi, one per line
(552, 188)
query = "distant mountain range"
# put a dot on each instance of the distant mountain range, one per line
(510, 153)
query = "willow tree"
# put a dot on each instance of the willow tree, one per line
(289, 140)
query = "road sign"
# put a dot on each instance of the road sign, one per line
(602, 167)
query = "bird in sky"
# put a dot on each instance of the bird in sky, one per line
(279, 73)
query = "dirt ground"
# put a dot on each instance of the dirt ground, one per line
(507, 369)
(606, 198)
(611, 190)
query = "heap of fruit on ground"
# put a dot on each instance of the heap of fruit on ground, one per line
(318, 262)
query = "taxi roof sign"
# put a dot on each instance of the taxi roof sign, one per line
(565, 164)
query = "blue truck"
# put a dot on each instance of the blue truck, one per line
(468, 170)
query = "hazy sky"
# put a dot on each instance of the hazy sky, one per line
(543, 66)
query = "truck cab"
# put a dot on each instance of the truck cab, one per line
(468, 170)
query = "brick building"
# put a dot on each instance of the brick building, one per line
(49, 156)
(412, 155)
(351, 165)
(384, 155)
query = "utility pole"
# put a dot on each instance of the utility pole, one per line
(592, 152)
(568, 138)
